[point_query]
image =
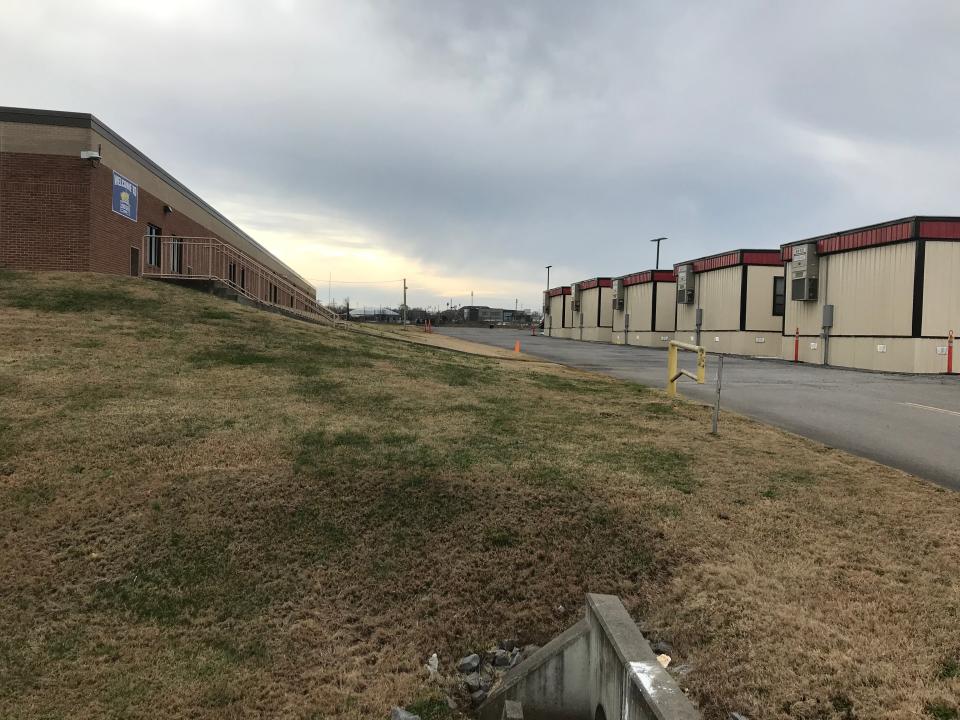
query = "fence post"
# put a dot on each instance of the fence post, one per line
(716, 406)
(671, 370)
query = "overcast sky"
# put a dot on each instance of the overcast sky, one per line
(465, 144)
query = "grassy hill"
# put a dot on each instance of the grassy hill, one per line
(210, 511)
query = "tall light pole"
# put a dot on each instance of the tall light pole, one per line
(548, 276)
(657, 241)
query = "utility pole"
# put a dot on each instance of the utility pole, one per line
(471, 297)
(657, 241)
(403, 317)
(548, 276)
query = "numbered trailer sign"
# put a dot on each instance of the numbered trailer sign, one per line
(125, 193)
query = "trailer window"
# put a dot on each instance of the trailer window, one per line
(779, 295)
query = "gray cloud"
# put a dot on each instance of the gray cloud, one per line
(507, 135)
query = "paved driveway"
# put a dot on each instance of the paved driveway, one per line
(909, 422)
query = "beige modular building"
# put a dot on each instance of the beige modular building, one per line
(592, 311)
(644, 308)
(557, 312)
(732, 302)
(881, 297)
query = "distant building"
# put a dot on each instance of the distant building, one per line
(481, 313)
(374, 314)
(493, 316)
(557, 312)
(592, 310)
(644, 308)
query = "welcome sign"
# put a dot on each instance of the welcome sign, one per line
(124, 196)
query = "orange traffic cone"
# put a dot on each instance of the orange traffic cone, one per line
(516, 346)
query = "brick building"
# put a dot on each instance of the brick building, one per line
(74, 195)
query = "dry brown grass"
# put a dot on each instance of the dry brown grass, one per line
(208, 511)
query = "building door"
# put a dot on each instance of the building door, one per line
(153, 245)
(135, 261)
(176, 256)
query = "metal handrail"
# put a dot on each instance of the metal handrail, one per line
(674, 374)
(208, 258)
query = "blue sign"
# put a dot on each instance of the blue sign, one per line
(124, 196)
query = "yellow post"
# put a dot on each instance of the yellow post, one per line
(674, 374)
(672, 370)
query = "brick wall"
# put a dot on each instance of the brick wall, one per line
(44, 212)
(56, 213)
(113, 235)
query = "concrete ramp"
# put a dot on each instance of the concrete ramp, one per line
(602, 668)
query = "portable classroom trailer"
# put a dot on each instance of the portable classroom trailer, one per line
(732, 302)
(592, 311)
(880, 297)
(644, 308)
(557, 313)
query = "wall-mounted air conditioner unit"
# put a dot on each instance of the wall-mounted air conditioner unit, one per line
(685, 285)
(804, 272)
(618, 294)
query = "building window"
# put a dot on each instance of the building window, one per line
(243, 278)
(779, 295)
(153, 245)
(232, 273)
(273, 293)
(176, 256)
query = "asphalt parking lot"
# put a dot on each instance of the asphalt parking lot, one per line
(906, 421)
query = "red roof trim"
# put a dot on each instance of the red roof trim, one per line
(717, 262)
(894, 231)
(940, 229)
(863, 238)
(562, 290)
(595, 282)
(733, 259)
(647, 276)
(761, 257)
